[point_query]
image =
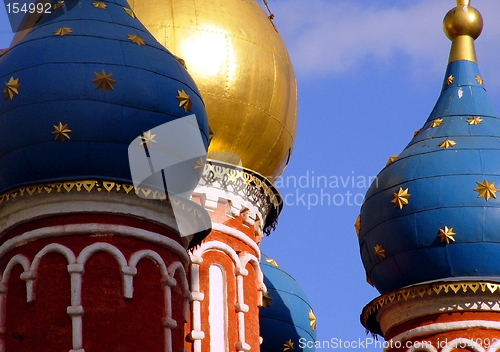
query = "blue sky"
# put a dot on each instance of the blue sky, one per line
(368, 76)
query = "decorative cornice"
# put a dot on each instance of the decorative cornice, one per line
(369, 313)
(87, 186)
(437, 328)
(76, 186)
(247, 183)
(196, 212)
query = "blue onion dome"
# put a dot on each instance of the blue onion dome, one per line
(286, 318)
(79, 88)
(433, 213)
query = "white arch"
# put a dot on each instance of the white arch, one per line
(126, 271)
(238, 235)
(53, 247)
(172, 269)
(152, 255)
(241, 307)
(101, 247)
(17, 259)
(217, 245)
(132, 269)
(31, 275)
(167, 281)
(249, 258)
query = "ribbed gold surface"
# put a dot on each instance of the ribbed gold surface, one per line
(242, 69)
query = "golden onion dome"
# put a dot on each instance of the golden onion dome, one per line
(242, 69)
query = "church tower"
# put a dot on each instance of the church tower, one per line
(87, 262)
(428, 233)
(241, 66)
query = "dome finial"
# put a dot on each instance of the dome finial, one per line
(462, 25)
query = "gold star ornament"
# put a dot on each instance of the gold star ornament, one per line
(103, 81)
(63, 31)
(447, 144)
(129, 12)
(436, 123)
(446, 235)
(401, 198)
(415, 133)
(391, 160)
(379, 251)
(486, 190)
(288, 345)
(147, 138)
(450, 80)
(266, 300)
(11, 88)
(61, 131)
(199, 164)
(312, 319)
(135, 39)
(272, 262)
(479, 80)
(184, 100)
(369, 281)
(99, 5)
(357, 225)
(474, 120)
(58, 5)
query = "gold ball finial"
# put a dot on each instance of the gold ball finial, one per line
(463, 20)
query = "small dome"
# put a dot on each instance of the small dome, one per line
(286, 316)
(242, 68)
(80, 88)
(432, 214)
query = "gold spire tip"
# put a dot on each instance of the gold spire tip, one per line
(462, 25)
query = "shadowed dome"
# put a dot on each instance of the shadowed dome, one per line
(433, 214)
(286, 315)
(242, 69)
(81, 87)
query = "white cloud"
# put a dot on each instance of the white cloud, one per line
(335, 37)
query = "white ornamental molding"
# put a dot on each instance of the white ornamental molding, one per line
(238, 235)
(391, 315)
(93, 229)
(240, 262)
(76, 265)
(438, 328)
(237, 204)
